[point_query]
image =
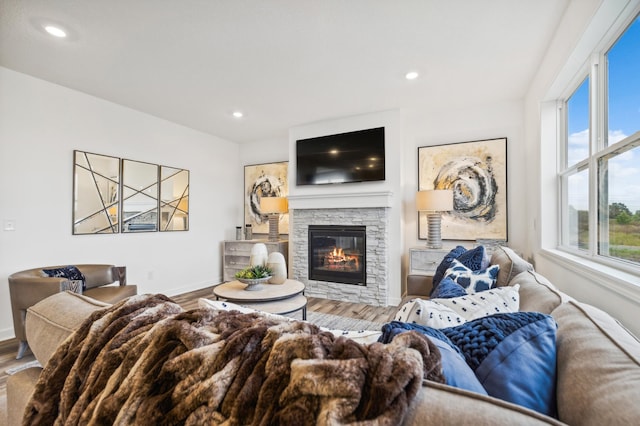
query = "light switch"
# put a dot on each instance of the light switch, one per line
(9, 225)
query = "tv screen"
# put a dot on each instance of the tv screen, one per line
(346, 157)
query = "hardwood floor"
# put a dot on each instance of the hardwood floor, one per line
(9, 348)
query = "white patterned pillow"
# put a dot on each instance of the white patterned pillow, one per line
(497, 300)
(429, 313)
(473, 281)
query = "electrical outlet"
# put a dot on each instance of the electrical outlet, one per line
(9, 225)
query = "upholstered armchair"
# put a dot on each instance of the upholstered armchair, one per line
(107, 283)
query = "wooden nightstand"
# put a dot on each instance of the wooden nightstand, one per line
(424, 261)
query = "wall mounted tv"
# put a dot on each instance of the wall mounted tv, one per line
(346, 157)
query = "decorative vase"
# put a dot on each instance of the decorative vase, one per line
(259, 255)
(278, 267)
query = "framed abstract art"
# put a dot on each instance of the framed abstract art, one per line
(264, 180)
(476, 172)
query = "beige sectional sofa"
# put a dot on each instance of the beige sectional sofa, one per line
(598, 361)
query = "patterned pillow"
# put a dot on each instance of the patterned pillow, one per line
(476, 305)
(448, 289)
(475, 259)
(429, 313)
(513, 356)
(473, 281)
(69, 272)
(456, 371)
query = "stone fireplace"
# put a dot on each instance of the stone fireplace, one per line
(363, 260)
(337, 253)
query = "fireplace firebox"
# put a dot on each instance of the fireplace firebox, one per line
(337, 254)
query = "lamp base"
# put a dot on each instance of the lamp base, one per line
(274, 231)
(434, 240)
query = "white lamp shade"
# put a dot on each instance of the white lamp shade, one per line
(274, 205)
(435, 200)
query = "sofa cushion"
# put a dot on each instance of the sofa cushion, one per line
(513, 357)
(449, 312)
(510, 264)
(50, 321)
(537, 294)
(448, 289)
(472, 280)
(429, 313)
(598, 367)
(477, 305)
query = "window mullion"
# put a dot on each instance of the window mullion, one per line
(594, 146)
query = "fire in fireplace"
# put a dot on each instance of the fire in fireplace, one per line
(337, 254)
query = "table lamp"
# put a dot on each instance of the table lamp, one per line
(274, 207)
(434, 202)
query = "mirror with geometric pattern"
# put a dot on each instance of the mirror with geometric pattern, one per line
(96, 180)
(174, 199)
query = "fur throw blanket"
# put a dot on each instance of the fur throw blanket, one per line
(146, 361)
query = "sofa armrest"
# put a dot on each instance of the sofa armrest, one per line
(419, 285)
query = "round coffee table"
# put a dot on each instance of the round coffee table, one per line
(279, 299)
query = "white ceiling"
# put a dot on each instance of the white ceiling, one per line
(284, 63)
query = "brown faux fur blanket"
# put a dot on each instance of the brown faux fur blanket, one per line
(145, 361)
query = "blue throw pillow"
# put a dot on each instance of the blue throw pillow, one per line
(473, 281)
(446, 264)
(474, 259)
(456, 371)
(448, 289)
(69, 272)
(513, 356)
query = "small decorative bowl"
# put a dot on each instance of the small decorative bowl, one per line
(254, 283)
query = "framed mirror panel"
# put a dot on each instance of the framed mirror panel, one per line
(139, 196)
(174, 199)
(96, 182)
(112, 195)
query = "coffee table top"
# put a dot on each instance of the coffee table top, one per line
(235, 291)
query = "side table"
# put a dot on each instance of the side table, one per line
(279, 299)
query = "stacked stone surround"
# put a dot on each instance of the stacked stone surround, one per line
(376, 221)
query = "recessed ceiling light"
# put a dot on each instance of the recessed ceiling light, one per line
(411, 75)
(238, 114)
(55, 31)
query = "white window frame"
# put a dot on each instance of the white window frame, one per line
(598, 134)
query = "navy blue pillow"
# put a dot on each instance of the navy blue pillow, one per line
(448, 289)
(69, 272)
(473, 258)
(513, 356)
(444, 265)
(456, 371)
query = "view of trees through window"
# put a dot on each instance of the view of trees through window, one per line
(616, 161)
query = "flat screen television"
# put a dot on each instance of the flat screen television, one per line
(346, 157)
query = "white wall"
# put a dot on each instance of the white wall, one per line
(478, 122)
(40, 126)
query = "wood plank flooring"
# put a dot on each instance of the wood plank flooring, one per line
(9, 348)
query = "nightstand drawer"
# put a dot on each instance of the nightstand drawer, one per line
(425, 261)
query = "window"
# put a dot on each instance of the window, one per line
(600, 171)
